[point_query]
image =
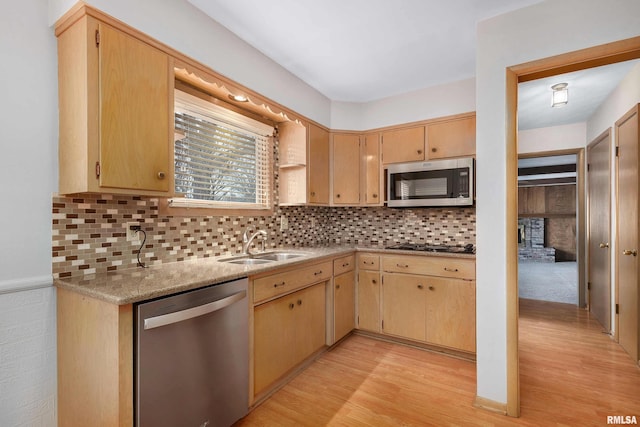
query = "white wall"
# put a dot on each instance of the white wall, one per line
(539, 31)
(28, 171)
(553, 138)
(623, 97)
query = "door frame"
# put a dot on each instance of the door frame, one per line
(610, 53)
(581, 228)
(606, 135)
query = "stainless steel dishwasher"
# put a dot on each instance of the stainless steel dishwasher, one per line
(192, 358)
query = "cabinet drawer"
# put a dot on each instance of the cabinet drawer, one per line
(368, 262)
(281, 283)
(343, 264)
(432, 266)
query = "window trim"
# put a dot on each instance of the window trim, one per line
(179, 206)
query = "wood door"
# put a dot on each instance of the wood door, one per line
(403, 145)
(369, 300)
(134, 113)
(344, 304)
(371, 154)
(318, 165)
(628, 279)
(403, 306)
(451, 313)
(346, 169)
(309, 321)
(599, 205)
(274, 340)
(452, 138)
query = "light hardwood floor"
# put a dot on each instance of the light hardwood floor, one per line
(571, 375)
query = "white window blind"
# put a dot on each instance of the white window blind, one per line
(222, 158)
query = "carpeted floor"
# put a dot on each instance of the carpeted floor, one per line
(557, 282)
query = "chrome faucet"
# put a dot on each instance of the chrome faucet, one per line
(246, 240)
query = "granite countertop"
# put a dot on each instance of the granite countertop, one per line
(136, 285)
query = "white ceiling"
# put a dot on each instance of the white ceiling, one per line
(363, 50)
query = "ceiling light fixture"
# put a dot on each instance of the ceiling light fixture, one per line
(238, 98)
(560, 95)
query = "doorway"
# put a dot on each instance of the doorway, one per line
(580, 60)
(547, 228)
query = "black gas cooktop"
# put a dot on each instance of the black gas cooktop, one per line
(423, 247)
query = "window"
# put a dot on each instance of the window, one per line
(222, 158)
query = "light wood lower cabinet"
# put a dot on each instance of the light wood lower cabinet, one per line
(403, 306)
(369, 300)
(344, 304)
(287, 330)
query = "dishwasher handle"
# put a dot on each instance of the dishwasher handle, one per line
(190, 313)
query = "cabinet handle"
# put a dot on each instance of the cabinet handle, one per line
(628, 252)
(604, 245)
(299, 302)
(338, 196)
(291, 306)
(431, 288)
(313, 193)
(337, 286)
(375, 196)
(419, 151)
(433, 150)
(277, 285)
(346, 264)
(161, 175)
(452, 270)
(317, 272)
(402, 265)
(420, 286)
(374, 281)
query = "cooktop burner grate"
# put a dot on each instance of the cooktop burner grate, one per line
(423, 247)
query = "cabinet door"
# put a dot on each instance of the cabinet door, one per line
(451, 313)
(346, 169)
(404, 145)
(371, 154)
(134, 113)
(318, 165)
(344, 304)
(403, 306)
(274, 340)
(309, 321)
(455, 138)
(369, 300)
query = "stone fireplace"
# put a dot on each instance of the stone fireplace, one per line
(531, 245)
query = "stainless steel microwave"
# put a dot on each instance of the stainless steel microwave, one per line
(431, 183)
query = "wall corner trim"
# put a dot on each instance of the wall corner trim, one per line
(490, 405)
(25, 284)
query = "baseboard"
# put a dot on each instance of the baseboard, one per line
(490, 405)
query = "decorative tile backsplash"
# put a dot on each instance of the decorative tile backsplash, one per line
(89, 234)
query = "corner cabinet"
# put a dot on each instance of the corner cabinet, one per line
(115, 102)
(303, 164)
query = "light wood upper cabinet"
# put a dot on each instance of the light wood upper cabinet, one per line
(346, 169)
(451, 138)
(318, 162)
(372, 180)
(403, 145)
(115, 102)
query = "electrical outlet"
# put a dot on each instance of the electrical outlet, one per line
(284, 223)
(132, 235)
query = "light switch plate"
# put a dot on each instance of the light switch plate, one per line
(284, 223)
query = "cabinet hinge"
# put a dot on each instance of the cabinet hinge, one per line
(383, 324)
(588, 167)
(617, 151)
(97, 38)
(97, 169)
(617, 308)
(588, 286)
(358, 320)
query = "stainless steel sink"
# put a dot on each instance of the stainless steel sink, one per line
(263, 258)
